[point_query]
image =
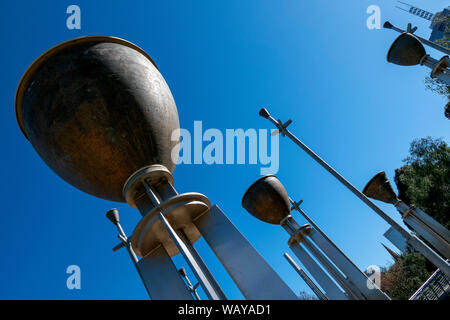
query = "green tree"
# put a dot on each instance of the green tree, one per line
(405, 276)
(425, 178)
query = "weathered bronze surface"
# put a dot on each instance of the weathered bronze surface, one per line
(406, 50)
(96, 109)
(267, 200)
(379, 188)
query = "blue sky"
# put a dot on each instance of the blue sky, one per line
(315, 62)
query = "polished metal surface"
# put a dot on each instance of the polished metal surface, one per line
(96, 109)
(254, 277)
(180, 211)
(202, 265)
(334, 272)
(211, 288)
(426, 227)
(434, 239)
(332, 250)
(406, 50)
(267, 200)
(412, 239)
(161, 277)
(357, 279)
(379, 188)
(396, 239)
(320, 295)
(332, 291)
(192, 288)
(427, 220)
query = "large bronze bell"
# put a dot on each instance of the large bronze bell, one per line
(267, 200)
(406, 50)
(379, 188)
(96, 109)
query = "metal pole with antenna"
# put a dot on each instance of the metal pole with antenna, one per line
(412, 239)
(198, 267)
(429, 43)
(192, 288)
(359, 279)
(305, 277)
(113, 216)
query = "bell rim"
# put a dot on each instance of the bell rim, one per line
(41, 59)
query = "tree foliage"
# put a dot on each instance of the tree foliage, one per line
(425, 178)
(405, 276)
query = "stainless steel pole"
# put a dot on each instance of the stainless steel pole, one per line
(198, 267)
(113, 216)
(413, 240)
(209, 287)
(345, 264)
(331, 289)
(305, 277)
(191, 287)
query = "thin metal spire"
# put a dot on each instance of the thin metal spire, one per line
(416, 11)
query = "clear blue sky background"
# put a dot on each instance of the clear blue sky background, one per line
(313, 61)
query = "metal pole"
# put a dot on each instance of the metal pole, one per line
(202, 278)
(357, 278)
(332, 290)
(192, 288)
(341, 279)
(301, 235)
(413, 240)
(247, 268)
(316, 227)
(305, 278)
(202, 264)
(438, 68)
(389, 25)
(125, 243)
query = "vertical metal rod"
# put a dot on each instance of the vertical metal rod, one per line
(190, 286)
(413, 240)
(193, 264)
(356, 279)
(247, 268)
(431, 223)
(344, 263)
(153, 198)
(316, 227)
(327, 284)
(161, 277)
(202, 265)
(209, 284)
(333, 270)
(305, 277)
(429, 234)
(127, 244)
